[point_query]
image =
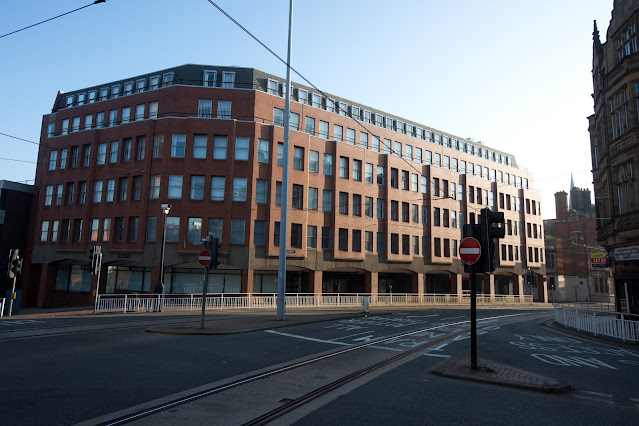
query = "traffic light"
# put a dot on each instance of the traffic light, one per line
(215, 252)
(96, 259)
(15, 263)
(488, 231)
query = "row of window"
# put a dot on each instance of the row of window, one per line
(115, 118)
(315, 100)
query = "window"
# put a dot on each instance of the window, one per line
(343, 203)
(172, 229)
(313, 162)
(97, 191)
(82, 193)
(311, 236)
(167, 79)
(237, 231)
(153, 110)
(326, 238)
(70, 189)
(278, 117)
(294, 121)
(375, 143)
(394, 178)
(128, 88)
(126, 115)
(338, 133)
(224, 109)
(65, 230)
(368, 173)
(263, 150)
(239, 189)
(44, 231)
(405, 244)
(113, 155)
(405, 207)
(298, 158)
(242, 148)
(228, 81)
(296, 235)
(204, 108)
(415, 213)
(394, 210)
(380, 175)
(53, 159)
(261, 190)
(199, 146)
(350, 136)
(343, 167)
(363, 140)
(357, 240)
(259, 232)
(215, 228)
(280, 154)
(357, 205)
(113, 117)
(209, 78)
(219, 147)
(54, 231)
(110, 192)
(194, 230)
(197, 187)
(65, 126)
(296, 199)
(328, 165)
(327, 200)
(175, 186)
(323, 129)
(368, 206)
(436, 216)
(124, 183)
(77, 230)
(316, 100)
(137, 187)
(309, 125)
(302, 96)
(126, 150)
(178, 145)
(343, 239)
(357, 170)
(154, 82)
(437, 247)
(272, 87)
(380, 208)
(88, 121)
(75, 125)
(133, 228)
(312, 198)
(278, 193)
(394, 244)
(414, 182)
(158, 145)
(398, 149)
(154, 187)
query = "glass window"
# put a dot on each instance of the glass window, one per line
(124, 184)
(110, 192)
(228, 80)
(239, 188)
(204, 108)
(172, 229)
(327, 200)
(53, 159)
(219, 147)
(309, 125)
(313, 162)
(350, 136)
(197, 187)
(215, 228)
(298, 158)
(237, 231)
(328, 164)
(178, 145)
(311, 236)
(194, 231)
(126, 149)
(175, 186)
(259, 232)
(126, 115)
(102, 149)
(113, 157)
(343, 167)
(323, 129)
(224, 109)
(312, 198)
(158, 145)
(133, 228)
(263, 150)
(242, 148)
(338, 133)
(199, 146)
(261, 191)
(278, 117)
(209, 78)
(296, 199)
(97, 191)
(326, 238)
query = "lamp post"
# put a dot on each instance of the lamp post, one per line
(166, 208)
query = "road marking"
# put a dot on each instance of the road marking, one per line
(307, 338)
(607, 395)
(422, 316)
(589, 398)
(350, 335)
(20, 322)
(451, 318)
(439, 348)
(437, 355)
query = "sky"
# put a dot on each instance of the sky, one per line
(515, 75)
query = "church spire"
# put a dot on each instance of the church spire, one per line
(572, 186)
(596, 41)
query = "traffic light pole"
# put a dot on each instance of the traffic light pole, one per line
(205, 283)
(13, 292)
(473, 317)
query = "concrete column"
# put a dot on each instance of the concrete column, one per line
(247, 281)
(420, 285)
(315, 282)
(415, 283)
(520, 284)
(458, 282)
(543, 287)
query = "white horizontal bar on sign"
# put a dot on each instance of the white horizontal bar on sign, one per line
(470, 250)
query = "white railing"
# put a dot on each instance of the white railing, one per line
(2, 307)
(192, 302)
(612, 324)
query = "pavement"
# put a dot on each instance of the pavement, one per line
(244, 321)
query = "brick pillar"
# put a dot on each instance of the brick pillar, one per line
(42, 287)
(491, 287)
(420, 285)
(247, 281)
(315, 282)
(543, 288)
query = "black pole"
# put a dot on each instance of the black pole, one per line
(473, 318)
(205, 282)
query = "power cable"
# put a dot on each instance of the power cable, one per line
(51, 19)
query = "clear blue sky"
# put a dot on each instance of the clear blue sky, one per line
(514, 75)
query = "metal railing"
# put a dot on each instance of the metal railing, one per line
(192, 302)
(2, 307)
(604, 323)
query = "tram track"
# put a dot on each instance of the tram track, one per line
(286, 405)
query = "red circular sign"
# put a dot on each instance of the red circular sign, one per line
(204, 258)
(469, 250)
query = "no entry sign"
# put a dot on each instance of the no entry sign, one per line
(469, 251)
(204, 258)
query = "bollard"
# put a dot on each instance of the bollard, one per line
(365, 304)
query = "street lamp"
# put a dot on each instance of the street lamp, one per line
(166, 208)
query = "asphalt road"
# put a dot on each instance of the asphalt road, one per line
(64, 371)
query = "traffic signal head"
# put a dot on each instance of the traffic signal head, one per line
(488, 221)
(215, 252)
(15, 264)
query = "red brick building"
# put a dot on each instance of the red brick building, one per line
(376, 202)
